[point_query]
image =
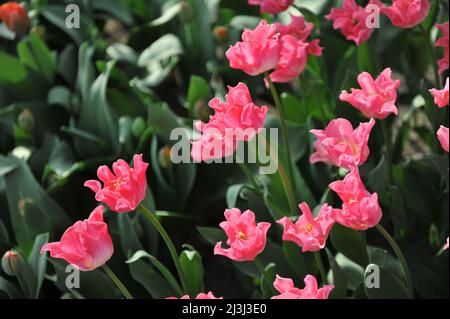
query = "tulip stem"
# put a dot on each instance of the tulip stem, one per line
(265, 275)
(173, 252)
(321, 267)
(433, 54)
(387, 140)
(117, 282)
(250, 176)
(287, 180)
(401, 258)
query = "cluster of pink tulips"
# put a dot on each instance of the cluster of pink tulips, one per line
(279, 53)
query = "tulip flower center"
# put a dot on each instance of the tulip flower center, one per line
(118, 183)
(309, 227)
(242, 236)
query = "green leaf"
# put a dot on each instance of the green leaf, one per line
(153, 282)
(93, 284)
(10, 289)
(57, 15)
(440, 162)
(169, 13)
(353, 272)
(244, 22)
(85, 74)
(97, 119)
(391, 287)
(60, 95)
(128, 238)
(301, 263)
(337, 277)
(233, 193)
(35, 54)
(158, 265)
(378, 178)
(212, 235)
(162, 49)
(38, 261)
(198, 91)
(192, 269)
(122, 52)
(27, 279)
(350, 243)
(23, 193)
(114, 8)
(4, 237)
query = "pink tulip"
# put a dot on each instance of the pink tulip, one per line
(237, 119)
(86, 245)
(245, 238)
(301, 30)
(271, 6)
(124, 189)
(258, 52)
(202, 295)
(376, 98)
(444, 43)
(342, 146)
(308, 232)
(442, 135)
(352, 20)
(406, 13)
(285, 286)
(360, 209)
(446, 245)
(293, 59)
(441, 96)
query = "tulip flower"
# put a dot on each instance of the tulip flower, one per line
(342, 146)
(443, 42)
(271, 6)
(245, 238)
(86, 245)
(442, 135)
(441, 96)
(236, 119)
(376, 98)
(124, 188)
(406, 13)
(15, 18)
(301, 30)
(258, 52)
(360, 209)
(352, 20)
(287, 290)
(308, 232)
(202, 295)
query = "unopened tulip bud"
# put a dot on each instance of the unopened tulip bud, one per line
(221, 33)
(202, 111)
(15, 18)
(186, 12)
(26, 120)
(164, 157)
(10, 262)
(138, 127)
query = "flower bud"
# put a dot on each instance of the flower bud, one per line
(202, 111)
(186, 12)
(15, 18)
(221, 33)
(26, 120)
(10, 262)
(164, 157)
(138, 127)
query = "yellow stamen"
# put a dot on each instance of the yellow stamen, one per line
(309, 228)
(242, 236)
